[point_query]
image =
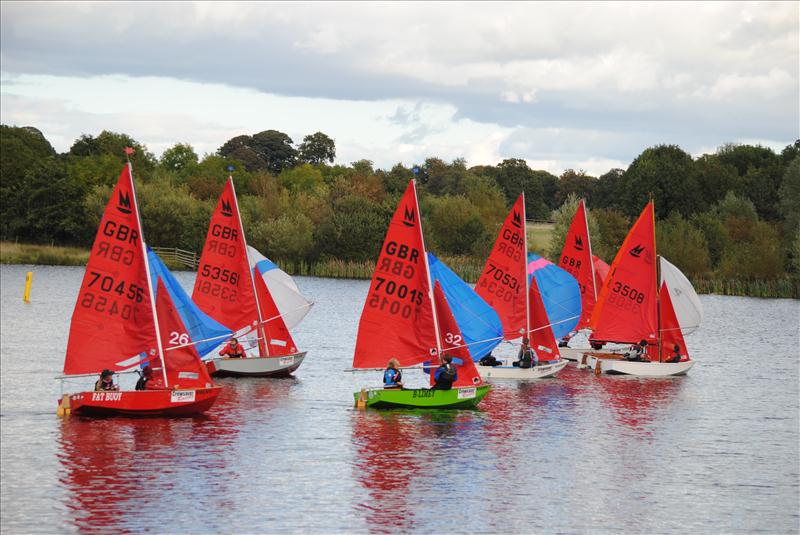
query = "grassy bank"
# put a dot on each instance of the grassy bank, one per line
(467, 268)
(42, 255)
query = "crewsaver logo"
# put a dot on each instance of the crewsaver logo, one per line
(516, 220)
(124, 203)
(226, 208)
(637, 251)
(409, 217)
(578, 243)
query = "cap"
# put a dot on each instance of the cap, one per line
(106, 373)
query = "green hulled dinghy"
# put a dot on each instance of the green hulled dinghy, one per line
(421, 398)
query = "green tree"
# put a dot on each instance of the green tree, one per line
(355, 230)
(106, 152)
(304, 177)
(576, 183)
(289, 237)
(684, 245)
(514, 176)
(453, 224)
(180, 157)
(239, 148)
(666, 172)
(276, 149)
(715, 178)
(760, 170)
(316, 149)
(614, 227)
(714, 234)
(608, 190)
(789, 207)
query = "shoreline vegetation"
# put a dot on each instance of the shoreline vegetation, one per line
(729, 220)
(467, 268)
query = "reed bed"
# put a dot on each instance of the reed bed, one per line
(787, 287)
(42, 255)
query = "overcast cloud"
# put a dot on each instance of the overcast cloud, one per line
(583, 85)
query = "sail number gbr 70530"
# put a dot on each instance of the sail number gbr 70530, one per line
(499, 283)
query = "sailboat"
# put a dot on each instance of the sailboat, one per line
(403, 319)
(506, 286)
(632, 306)
(234, 292)
(120, 324)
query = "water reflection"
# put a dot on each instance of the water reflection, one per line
(636, 402)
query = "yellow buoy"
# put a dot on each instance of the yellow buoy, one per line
(361, 402)
(27, 295)
(63, 407)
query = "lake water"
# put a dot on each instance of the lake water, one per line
(715, 451)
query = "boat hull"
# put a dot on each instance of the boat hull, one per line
(639, 369)
(514, 372)
(423, 398)
(142, 403)
(281, 366)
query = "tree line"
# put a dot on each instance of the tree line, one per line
(732, 214)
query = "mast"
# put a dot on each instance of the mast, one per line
(589, 241)
(658, 285)
(149, 281)
(525, 271)
(261, 333)
(428, 275)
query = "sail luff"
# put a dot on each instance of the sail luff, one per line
(261, 333)
(143, 246)
(427, 273)
(525, 263)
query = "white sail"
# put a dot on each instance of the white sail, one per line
(292, 305)
(685, 301)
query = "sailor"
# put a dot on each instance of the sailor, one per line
(636, 352)
(392, 378)
(147, 381)
(676, 354)
(526, 358)
(446, 374)
(106, 382)
(234, 350)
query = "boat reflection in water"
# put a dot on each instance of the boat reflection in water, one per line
(402, 456)
(636, 402)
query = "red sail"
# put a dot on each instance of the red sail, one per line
(542, 340)
(112, 324)
(184, 367)
(626, 309)
(223, 288)
(279, 341)
(576, 258)
(670, 328)
(397, 320)
(452, 342)
(600, 272)
(502, 283)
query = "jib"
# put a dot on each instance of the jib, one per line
(226, 233)
(402, 251)
(121, 232)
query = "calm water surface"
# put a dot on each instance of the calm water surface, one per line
(716, 451)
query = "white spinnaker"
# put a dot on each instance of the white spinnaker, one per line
(290, 302)
(685, 301)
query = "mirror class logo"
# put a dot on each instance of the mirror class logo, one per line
(578, 243)
(637, 251)
(516, 220)
(409, 217)
(226, 208)
(124, 205)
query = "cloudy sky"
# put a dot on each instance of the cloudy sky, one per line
(562, 85)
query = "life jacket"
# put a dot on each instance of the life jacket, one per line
(445, 376)
(526, 359)
(234, 353)
(392, 379)
(100, 386)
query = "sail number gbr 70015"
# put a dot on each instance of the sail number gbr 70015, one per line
(396, 298)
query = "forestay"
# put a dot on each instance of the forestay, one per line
(479, 323)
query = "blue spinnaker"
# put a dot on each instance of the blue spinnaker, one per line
(560, 293)
(479, 323)
(199, 325)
